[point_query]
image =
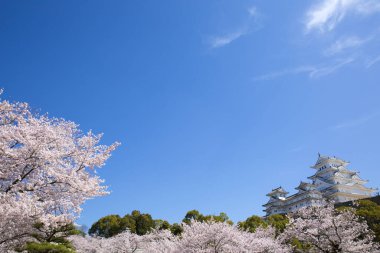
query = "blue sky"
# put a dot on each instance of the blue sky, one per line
(215, 102)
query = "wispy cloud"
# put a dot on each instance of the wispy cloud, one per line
(252, 11)
(355, 122)
(373, 61)
(345, 43)
(327, 14)
(284, 72)
(220, 41)
(327, 70)
(311, 71)
(249, 26)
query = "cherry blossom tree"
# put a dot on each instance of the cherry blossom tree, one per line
(218, 237)
(157, 241)
(88, 244)
(16, 220)
(126, 242)
(160, 241)
(264, 240)
(329, 230)
(47, 170)
(199, 237)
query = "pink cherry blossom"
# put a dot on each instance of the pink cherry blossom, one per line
(197, 237)
(329, 230)
(47, 171)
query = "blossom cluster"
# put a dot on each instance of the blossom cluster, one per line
(47, 171)
(197, 237)
(316, 229)
(329, 230)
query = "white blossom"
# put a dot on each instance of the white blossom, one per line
(218, 237)
(329, 230)
(46, 171)
(158, 241)
(197, 237)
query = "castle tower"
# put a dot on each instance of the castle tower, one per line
(277, 201)
(332, 180)
(337, 182)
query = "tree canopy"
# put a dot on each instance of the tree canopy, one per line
(278, 221)
(47, 171)
(136, 222)
(369, 211)
(197, 216)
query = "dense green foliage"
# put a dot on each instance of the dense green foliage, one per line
(252, 223)
(162, 224)
(176, 229)
(47, 247)
(51, 240)
(196, 215)
(108, 226)
(135, 222)
(141, 224)
(299, 246)
(55, 235)
(277, 221)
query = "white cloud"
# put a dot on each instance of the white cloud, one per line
(345, 43)
(328, 13)
(311, 71)
(224, 40)
(355, 122)
(373, 61)
(367, 7)
(253, 11)
(250, 25)
(277, 74)
(326, 70)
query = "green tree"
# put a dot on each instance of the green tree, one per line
(129, 222)
(176, 229)
(108, 226)
(222, 217)
(51, 240)
(251, 223)
(45, 247)
(370, 212)
(278, 221)
(136, 222)
(300, 247)
(56, 234)
(196, 215)
(161, 224)
(144, 223)
(193, 215)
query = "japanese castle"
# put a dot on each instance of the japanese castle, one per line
(332, 180)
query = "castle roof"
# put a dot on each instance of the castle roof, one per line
(305, 186)
(277, 191)
(323, 159)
